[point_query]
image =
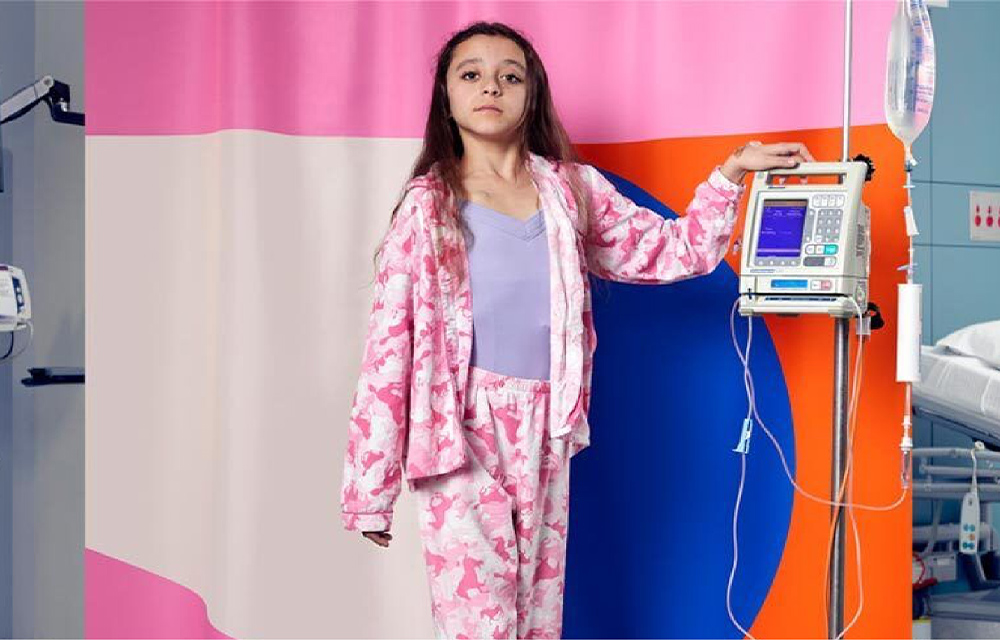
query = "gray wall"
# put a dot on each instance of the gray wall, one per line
(56, 413)
(42, 428)
(957, 153)
(17, 68)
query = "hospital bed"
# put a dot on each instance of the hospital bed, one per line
(962, 392)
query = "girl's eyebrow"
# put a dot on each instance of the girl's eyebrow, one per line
(508, 60)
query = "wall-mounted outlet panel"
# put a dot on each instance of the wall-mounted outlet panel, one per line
(984, 216)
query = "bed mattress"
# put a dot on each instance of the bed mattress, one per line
(962, 389)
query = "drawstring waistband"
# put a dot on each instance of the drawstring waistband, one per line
(480, 378)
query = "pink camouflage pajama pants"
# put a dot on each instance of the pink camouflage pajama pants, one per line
(494, 531)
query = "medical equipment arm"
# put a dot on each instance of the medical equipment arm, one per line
(379, 413)
(629, 243)
(53, 92)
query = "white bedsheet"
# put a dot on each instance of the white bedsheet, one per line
(967, 386)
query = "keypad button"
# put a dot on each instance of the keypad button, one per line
(830, 262)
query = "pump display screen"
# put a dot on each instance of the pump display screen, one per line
(781, 223)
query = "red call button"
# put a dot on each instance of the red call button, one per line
(989, 221)
(979, 220)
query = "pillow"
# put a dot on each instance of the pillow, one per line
(978, 340)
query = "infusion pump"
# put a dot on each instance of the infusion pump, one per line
(806, 241)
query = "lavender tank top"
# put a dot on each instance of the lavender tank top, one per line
(509, 279)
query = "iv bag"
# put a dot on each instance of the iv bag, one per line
(909, 73)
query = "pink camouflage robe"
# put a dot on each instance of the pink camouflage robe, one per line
(408, 407)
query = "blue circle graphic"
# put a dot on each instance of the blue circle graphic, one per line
(651, 540)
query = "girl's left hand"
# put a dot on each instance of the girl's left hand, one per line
(755, 156)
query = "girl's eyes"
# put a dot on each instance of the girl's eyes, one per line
(514, 79)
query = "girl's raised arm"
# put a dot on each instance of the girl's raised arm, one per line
(629, 243)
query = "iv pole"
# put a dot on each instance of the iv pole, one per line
(835, 610)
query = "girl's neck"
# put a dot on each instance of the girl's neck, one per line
(494, 163)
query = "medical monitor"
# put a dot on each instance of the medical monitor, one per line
(781, 225)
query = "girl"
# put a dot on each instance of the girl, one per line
(477, 365)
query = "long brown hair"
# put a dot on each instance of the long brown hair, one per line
(539, 129)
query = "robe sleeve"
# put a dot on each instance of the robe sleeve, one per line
(377, 428)
(629, 243)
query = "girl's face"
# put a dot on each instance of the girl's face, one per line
(486, 87)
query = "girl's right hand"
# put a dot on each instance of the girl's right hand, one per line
(381, 538)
